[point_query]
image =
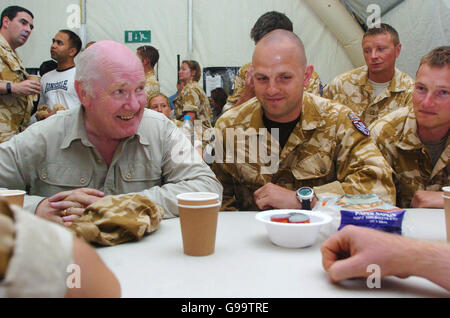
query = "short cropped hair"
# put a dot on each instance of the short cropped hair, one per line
(12, 11)
(194, 66)
(438, 57)
(74, 40)
(268, 22)
(384, 29)
(148, 51)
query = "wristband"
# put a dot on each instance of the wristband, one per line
(8, 88)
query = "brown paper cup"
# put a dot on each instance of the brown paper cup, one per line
(198, 198)
(13, 196)
(198, 228)
(446, 191)
(447, 216)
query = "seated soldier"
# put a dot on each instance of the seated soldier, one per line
(243, 82)
(414, 140)
(321, 144)
(378, 88)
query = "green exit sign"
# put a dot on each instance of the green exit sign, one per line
(138, 36)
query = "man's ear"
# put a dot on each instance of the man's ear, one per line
(72, 51)
(5, 22)
(83, 95)
(398, 48)
(308, 72)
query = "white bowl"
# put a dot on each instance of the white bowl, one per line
(293, 235)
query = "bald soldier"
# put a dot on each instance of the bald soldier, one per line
(322, 149)
(110, 145)
(414, 140)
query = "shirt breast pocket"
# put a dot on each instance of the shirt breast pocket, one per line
(57, 177)
(139, 176)
(315, 169)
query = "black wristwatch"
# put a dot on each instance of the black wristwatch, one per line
(8, 88)
(305, 196)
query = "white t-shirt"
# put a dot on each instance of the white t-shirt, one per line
(58, 88)
(379, 87)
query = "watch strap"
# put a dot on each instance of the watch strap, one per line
(306, 204)
(8, 88)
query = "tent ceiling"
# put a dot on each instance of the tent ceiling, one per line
(358, 7)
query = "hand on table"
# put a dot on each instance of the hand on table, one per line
(349, 252)
(273, 196)
(428, 199)
(64, 207)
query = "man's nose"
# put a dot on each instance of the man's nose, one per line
(272, 87)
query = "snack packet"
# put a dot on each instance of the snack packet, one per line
(366, 210)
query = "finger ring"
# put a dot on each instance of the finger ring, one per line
(64, 212)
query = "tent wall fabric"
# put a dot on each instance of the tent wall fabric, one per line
(221, 30)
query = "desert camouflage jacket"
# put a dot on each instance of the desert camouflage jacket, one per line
(193, 99)
(354, 90)
(15, 111)
(396, 136)
(151, 85)
(325, 151)
(314, 85)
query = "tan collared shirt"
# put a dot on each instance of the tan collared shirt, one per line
(324, 151)
(55, 155)
(15, 111)
(396, 136)
(354, 90)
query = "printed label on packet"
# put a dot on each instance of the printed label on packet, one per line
(386, 220)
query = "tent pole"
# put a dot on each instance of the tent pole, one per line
(83, 22)
(189, 27)
(340, 22)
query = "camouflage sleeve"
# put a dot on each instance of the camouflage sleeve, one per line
(330, 90)
(361, 168)
(219, 168)
(239, 86)
(191, 102)
(314, 85)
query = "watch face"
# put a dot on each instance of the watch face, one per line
(305, 192)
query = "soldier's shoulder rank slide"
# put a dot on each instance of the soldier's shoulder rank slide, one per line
(359, 125)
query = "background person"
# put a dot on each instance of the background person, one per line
(16, 91)
(414, 139)
(377, 88)
(149, 56)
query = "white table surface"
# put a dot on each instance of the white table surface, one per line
(246, 264)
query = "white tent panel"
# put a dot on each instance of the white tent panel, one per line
(422, 25)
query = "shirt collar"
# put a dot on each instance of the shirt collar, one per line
(396, 84)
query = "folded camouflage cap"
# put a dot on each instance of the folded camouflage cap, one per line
(116, 219)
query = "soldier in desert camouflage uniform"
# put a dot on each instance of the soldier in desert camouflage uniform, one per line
(243, 85)
(192, 100)
(414, 140)
(378, 88)
(149, 57)
(322, 144)
(16, 92)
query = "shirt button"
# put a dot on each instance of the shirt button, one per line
(99, 160)
(128, 175)
(82, 180)
(323, 170)
(44, 175)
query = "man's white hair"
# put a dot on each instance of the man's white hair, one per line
(86, 68)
